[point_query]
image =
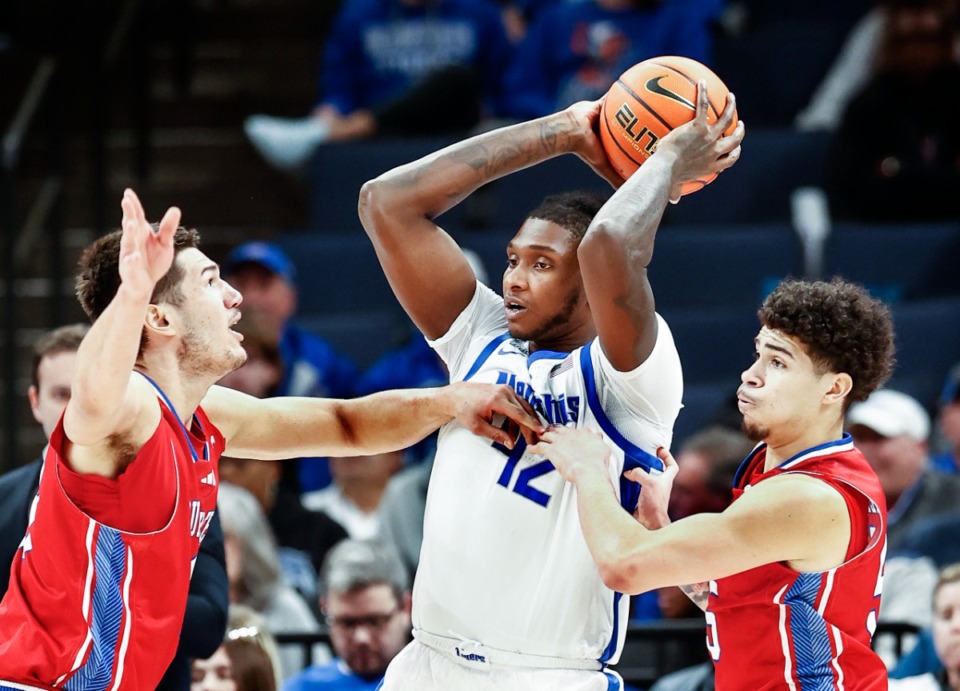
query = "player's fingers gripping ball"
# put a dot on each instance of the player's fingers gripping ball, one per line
(650, 99)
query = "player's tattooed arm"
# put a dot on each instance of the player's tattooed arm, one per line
(698, 593)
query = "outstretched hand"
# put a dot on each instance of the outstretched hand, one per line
(574, 452)
(655, 496)
(701, 148)
(495, 411)
(145, 254)
(587, 115)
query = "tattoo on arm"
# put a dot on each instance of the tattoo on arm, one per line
(699, 593)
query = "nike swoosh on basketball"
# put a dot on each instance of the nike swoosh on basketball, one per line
(653, 86)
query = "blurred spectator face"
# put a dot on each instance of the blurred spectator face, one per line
(376, 469)
(368, 627)
(949, 421)
(261, 373)
(213, 674)
(260, 478)
(690, 485)
(266, 292)
(946, 624)
(674, 604)
(51, 395)
(919, 40)
(898, 461)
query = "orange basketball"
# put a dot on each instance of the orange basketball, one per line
(649, 100)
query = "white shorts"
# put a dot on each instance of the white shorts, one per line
(420, 668)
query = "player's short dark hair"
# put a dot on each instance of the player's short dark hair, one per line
(841, 326)
(571, 210)
(98, 276)
(63, 339)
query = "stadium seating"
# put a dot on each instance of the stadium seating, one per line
(757, 189)
(905, 261)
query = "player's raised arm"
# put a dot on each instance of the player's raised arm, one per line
(425, 267)
(285, 427)
(107, 400)
(618, 246)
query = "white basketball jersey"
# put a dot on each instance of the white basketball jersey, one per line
(503, 562)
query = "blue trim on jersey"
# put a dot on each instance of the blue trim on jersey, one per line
(745, 463)
(811, 639)
(615, 634)
(842, 441)
(635, 456)
(485, 353)
(183, 428)
(845, 440)
(613, 682)
(109, 560)
(546, 355)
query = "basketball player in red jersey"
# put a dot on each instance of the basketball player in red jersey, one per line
(790, 574)
(99, 585)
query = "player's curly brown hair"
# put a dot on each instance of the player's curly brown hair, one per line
(841, 326)
(98, 275)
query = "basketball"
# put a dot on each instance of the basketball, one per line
(649, 100)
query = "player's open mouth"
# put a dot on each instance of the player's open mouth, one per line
(513, 308)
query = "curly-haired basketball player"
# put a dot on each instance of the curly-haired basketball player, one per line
(789, 575)
(99, 585)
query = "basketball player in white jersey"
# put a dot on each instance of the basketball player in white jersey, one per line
(506, 595)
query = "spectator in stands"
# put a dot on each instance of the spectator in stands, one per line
(54, 355)
(948, 424)
(366, 600)
(708, 460)
(891, 429)
(253, 570)
(897, 152)
(946, 638)
(353, 498)
(303, 536)
(247, 660)
(574, 51)
(266, 278)
(852, 69)
(396, 67)
(262, 372)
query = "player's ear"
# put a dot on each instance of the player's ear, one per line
(841, 384)
(156, 320)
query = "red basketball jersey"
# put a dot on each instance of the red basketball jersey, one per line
(775, 628)
(93, 607)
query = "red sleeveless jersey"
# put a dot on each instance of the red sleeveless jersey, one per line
(91, 606)
(775, 628)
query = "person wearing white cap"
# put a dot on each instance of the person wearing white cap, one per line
(891, 429)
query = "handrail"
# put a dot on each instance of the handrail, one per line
(16, 133)
(10, 148)
(661, 632)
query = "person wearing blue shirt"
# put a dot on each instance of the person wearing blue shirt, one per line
(266, 277)
(948, 422)
(366, 601)
(396, 67)
(574, 51)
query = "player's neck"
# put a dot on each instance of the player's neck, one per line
(565, 343)
(784, 445)
(183, 390)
